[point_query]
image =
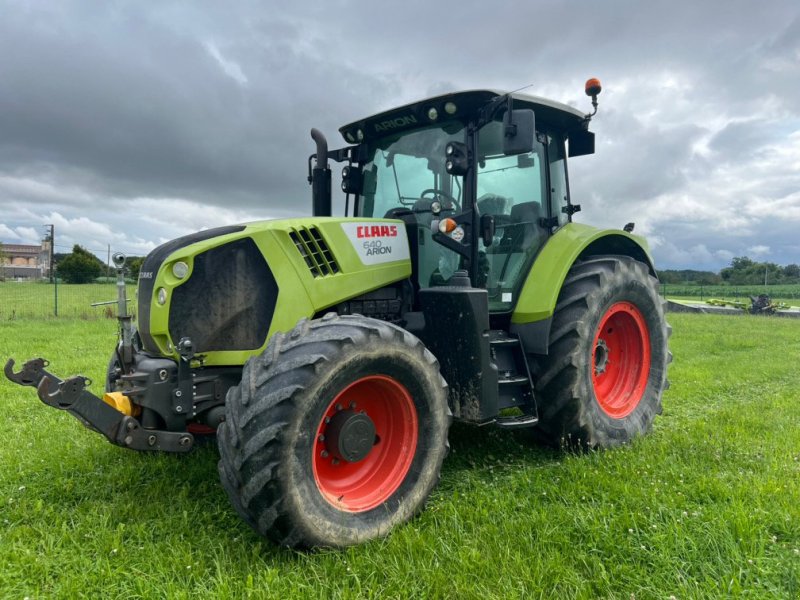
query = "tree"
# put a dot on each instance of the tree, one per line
(133, 266)
(79, 267)
(741, 263)
(742, 271)
(792, 273)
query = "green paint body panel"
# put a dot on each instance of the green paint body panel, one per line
(540, 291)
(300, 294)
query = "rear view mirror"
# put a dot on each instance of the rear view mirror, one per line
(519, 129)
(487, 229)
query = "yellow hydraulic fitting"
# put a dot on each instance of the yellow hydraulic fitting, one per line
(122, 403)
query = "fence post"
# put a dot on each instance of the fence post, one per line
(55, 293)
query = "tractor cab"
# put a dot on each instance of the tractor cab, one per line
(478, 177)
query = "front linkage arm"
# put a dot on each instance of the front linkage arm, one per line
(71, 395)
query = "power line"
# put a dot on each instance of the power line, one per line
(103, 251)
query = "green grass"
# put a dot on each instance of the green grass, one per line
(708, 506)
(41, 300)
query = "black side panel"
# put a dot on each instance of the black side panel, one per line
(412, 231)
(535, 336)
(457, 332)
(152, 264)
(228, 302)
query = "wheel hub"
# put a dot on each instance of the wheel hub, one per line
(600, 357)
(350, 435)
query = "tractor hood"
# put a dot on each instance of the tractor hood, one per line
(229, 289)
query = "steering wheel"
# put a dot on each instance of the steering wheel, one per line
(440, 193)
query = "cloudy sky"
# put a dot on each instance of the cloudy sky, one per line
(130, 123)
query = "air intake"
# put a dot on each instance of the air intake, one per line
(315, 251)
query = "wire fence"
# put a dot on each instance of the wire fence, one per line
(730, 292)
(41, 300)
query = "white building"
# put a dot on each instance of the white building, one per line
(24, 262)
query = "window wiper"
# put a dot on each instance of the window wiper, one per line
(396, 181)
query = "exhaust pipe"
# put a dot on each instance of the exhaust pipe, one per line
(321, 178)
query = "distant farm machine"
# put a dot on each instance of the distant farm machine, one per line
(758, 305)
(329, 355)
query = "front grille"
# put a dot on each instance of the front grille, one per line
(149, 271)
(228, 302)
(315, 251)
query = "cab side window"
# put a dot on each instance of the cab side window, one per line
(559, 192)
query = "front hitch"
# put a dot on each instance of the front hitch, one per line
(31, 374)
(72, 396)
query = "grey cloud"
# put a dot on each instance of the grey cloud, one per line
(147, 112)
(745, 138)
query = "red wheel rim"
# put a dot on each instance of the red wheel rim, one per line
(362, 485)
(620, 360)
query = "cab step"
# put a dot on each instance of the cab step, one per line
(514, 384)
(516, 422)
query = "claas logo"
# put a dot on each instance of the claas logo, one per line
(374, 231)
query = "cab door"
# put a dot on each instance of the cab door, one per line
(514, 190)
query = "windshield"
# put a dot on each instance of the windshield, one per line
(407, 171)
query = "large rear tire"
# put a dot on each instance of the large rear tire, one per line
(601, 383)
(336, 433)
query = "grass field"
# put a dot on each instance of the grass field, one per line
(708, 506)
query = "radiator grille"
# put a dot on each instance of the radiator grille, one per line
(229, 300)
(315, 251)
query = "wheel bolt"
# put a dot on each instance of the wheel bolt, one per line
(321, 438)
(352, 405)
(335, 461)
(327, 420)
(338, 407)
(324, 454)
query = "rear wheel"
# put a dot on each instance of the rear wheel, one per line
(601, 383)
(336, 434)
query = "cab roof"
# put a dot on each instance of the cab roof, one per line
(467, 103)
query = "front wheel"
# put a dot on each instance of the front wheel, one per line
(601, 383)
(336, 434)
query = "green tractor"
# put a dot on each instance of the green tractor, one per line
(329, 355)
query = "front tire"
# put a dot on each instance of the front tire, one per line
(336, 434)
(601, 383)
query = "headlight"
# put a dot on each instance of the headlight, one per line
(180, 269)
(161, 296)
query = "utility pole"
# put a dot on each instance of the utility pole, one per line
(108, 264)
(53, 278)
(52, 237)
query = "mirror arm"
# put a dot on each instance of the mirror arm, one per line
(510, 129)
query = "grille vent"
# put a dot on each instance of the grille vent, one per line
(315, 251)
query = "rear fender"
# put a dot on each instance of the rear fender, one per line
(539, 295)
